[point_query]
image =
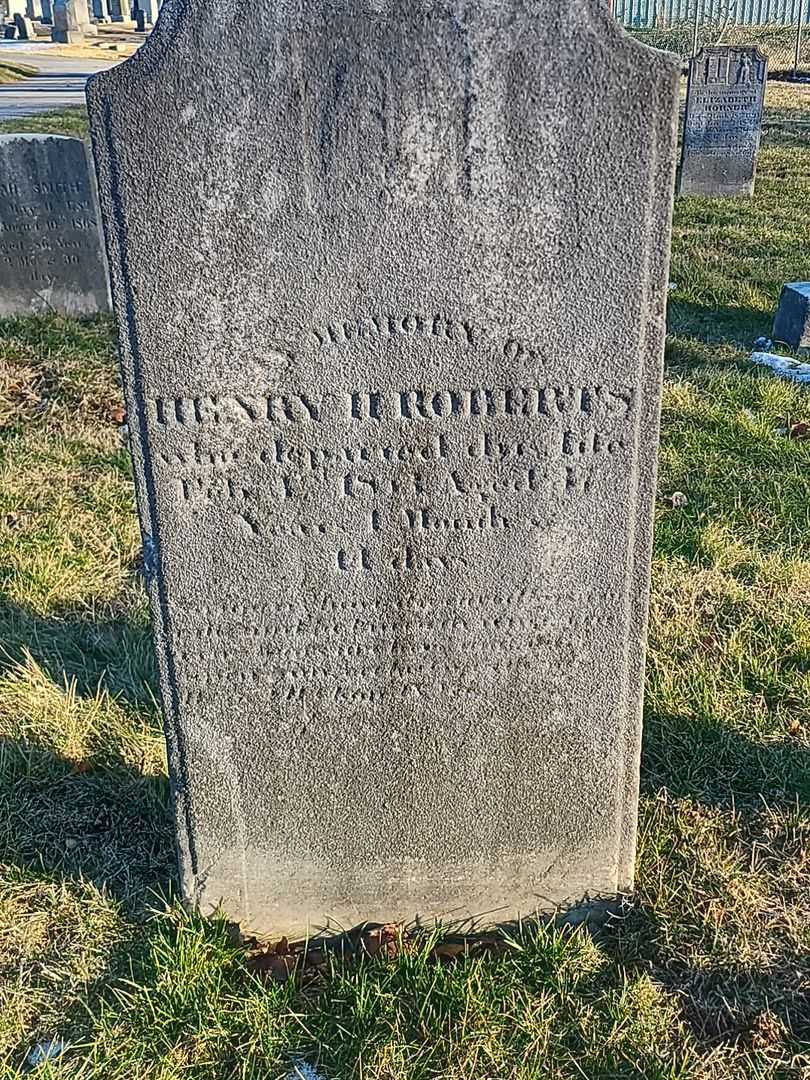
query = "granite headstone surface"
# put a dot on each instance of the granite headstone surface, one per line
(25, 28)
(390, 279)
(792, 322)
(71, 22)
(51, 255)
(723, 123)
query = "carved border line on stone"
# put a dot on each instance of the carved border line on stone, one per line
(651, 347)
(652, 333)
(124, 305)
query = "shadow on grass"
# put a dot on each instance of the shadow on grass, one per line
(716, 766)
(108, 824)
(733, 1007)
(113, 654)
(728, 1003)
(736, 326)
(98, 817)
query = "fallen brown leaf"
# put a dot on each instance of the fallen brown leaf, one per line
(766, 1030)
(272, 966)
(801, 430)
(449, 950)
(386, 940)
(117, 414)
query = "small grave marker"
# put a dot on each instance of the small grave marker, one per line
(50, 244)
(71, 22)
(792, 322)
(25, 28)
(723, 122)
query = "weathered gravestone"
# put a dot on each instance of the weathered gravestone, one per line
(792, 322)
(150, 10)
(390, 279)
(723, 121)
(50, 245)
(25, 28)
(71, 21)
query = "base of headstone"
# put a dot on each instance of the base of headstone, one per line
(792, 322)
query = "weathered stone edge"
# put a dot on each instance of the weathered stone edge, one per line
(123, 305)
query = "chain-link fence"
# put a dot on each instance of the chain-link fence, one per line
(781, 28)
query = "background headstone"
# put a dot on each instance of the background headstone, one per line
(390, 281)
(71, 22)
(25, 28)
(792, 323)
(149, 9)
(50, 243)
(723, 122)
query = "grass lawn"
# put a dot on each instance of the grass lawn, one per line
(706, 974)
(57, 122)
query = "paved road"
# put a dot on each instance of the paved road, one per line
(59, 84)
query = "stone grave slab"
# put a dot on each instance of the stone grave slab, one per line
(71, 22)
(25, 27)
(723, 123)
(51, 255)
(390, 279)
(792, 322)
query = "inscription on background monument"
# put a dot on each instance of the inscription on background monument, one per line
(393, 350)
(50, 245)
(723, 123)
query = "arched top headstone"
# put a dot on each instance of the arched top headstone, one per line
(51, 257)
(390, 280)
(723, 122)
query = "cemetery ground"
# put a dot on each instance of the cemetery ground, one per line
(11, 73)
(704, 974)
